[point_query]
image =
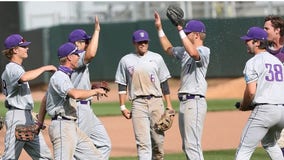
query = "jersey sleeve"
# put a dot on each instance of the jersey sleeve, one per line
(120, 76)
(250, 74)
(62, 84)
(15, 72)
(164, 73)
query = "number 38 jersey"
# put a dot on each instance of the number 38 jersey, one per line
(268, 72)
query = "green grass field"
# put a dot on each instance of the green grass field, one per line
(259, 154)
(112, 109)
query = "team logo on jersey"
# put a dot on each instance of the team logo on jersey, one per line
(152, 78)
(130, 69)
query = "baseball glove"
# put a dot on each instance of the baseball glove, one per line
(1, 123)
(175, 15)
(25, 132)
(166, 121)
(102, 84)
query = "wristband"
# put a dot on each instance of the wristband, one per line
(122, 107)
(122, 92)
(182, 34)
(161, 33)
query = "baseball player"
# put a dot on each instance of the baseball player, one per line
(274, 26)
(194, 58)
(144, 75)
(264, 96)
(87, 120)
(67, 139)
(19, 102)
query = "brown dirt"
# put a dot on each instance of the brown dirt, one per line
(222, 130)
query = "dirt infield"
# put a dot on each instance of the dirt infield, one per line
(221, 131)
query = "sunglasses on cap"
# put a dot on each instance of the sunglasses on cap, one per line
(77, 54)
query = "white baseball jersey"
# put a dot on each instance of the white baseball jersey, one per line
(142, 74)
(193, 72)
(18, 97)
(268, 71)
(57, 101)
(17, 94)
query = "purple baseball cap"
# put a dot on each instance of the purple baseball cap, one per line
(255, 33)
(140, 35)
(77, 35)
(15, 40)
(66, 49)
(194, 26)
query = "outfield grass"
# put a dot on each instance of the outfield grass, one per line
(112, 108)
(259, 154)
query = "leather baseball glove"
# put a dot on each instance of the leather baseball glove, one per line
(103, 85)
(166, 121)
(1, 122)
(25, 132)
(175, 15)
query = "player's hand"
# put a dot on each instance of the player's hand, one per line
(39, 126)
(126, 113)
(158, 22)
(100, 93)
(179, 27)
(97, 24)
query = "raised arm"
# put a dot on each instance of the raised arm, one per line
(165, 43)
(94, 42)
(188, 45)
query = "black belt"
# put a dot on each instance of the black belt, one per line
(63, 118)
(147, 96)
(186, 96)
(15, 108)
(260, 104)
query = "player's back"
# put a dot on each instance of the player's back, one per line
(269, 73)
(56, 95)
